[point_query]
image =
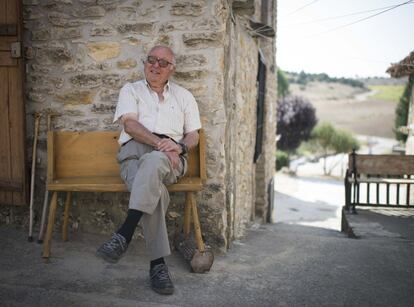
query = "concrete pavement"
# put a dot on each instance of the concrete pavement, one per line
(275, 265)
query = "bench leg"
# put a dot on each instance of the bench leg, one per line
(187, 215)
(51, 221)
(66, 216)
(196, 221)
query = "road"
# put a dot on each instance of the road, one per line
(311, 199)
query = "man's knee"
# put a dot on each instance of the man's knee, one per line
(155, 160)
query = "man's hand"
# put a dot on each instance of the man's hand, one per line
(174, 158)
(167, 145)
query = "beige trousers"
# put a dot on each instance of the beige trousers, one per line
(146, 173)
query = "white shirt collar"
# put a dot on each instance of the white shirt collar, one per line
(166, 86)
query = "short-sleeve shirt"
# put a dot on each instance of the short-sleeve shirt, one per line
(175, 116)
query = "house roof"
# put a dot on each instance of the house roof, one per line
(403, 68)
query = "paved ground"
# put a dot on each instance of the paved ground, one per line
(302, 260)
(275, 265)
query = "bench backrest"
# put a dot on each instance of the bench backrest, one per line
(382, 164)
(93, 154)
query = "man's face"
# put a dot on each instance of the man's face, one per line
(154, 73)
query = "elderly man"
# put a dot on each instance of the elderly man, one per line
(160, 124)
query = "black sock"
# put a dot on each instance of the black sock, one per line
(127, 229)
(157, 261)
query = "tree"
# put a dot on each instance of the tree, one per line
(282, 84)
(401, 111)
(295, 120)
(331, 141)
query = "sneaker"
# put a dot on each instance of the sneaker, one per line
(161, 279)
(113, 249)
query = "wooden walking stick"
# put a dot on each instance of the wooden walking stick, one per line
(32, 182)
(46, 197)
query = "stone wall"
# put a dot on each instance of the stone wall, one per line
(265, 168)
(79, 53)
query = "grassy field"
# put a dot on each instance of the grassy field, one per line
(349, 108)
(387, 92)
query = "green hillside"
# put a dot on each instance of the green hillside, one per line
(387, 92)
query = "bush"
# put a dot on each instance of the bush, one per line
(282, 84)
(401, 111)
(330, 140)
(295, 120)
(282, 159)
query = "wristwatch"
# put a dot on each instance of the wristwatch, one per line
(184, 148)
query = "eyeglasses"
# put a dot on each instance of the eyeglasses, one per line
(153, 59)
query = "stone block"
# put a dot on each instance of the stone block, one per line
(109, 95)
(102, 31)
(101, 51)
(41, 35)
(103, 108)
(59, 33)
(112, 81)
(175, 25)
(137, 28)
(152, 11)
(197, 89)
(59, 55)
(132, 41)
(36, 97)
(203, 39)
(107, 2)
(163, 40)
(134, 76)
(127, 13)
(86, 80)
(86, 124)
(29, 53)
(190, 75)
(126, 64)
(64, 20)
(60, 2)
(76, 97)
(88, 2)
(209, 24)
(93, 11)
(188, 8)
(191, 60)
(72, 112)
(40, 68)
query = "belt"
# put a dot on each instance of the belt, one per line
(162, 136)
(126, 142)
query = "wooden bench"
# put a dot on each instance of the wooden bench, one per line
(394, 172)
(86, 162)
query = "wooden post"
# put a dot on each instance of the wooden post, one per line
(32, 181)
(51, 221)
(66, 216)
(187, 215)
(197, 228)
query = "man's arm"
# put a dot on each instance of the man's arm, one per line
(190, 140)
(143, 135)
(138, 131)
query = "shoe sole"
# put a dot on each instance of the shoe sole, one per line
(163, 291)
(106, 258)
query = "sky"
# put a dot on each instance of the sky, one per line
(364, 49)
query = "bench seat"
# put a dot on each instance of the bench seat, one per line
(382, 180)
(85, 161)
(115, 184)
(394, 171)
